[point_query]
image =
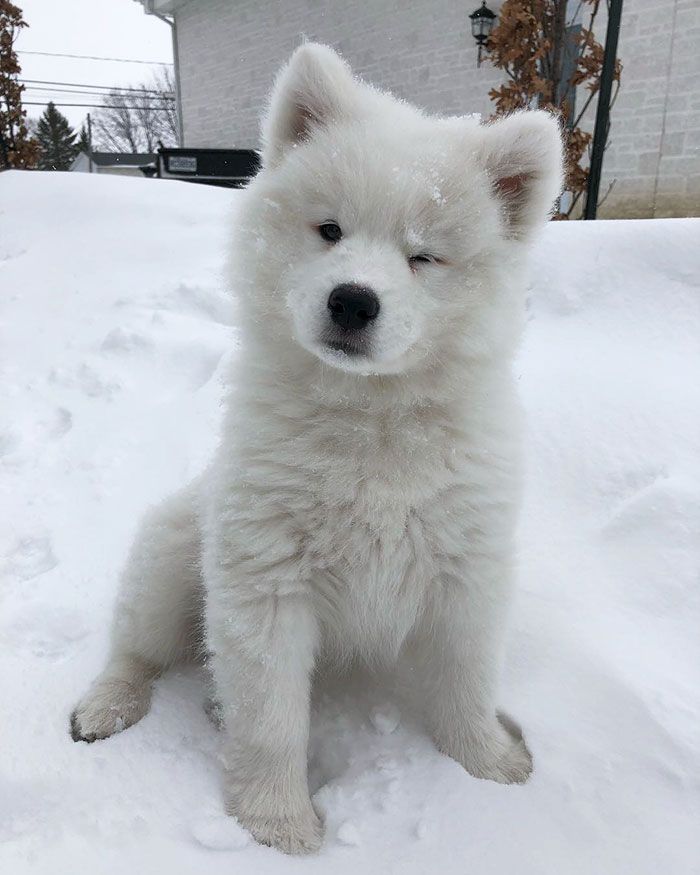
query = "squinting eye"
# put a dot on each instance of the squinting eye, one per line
(330, 232)
(415, 260)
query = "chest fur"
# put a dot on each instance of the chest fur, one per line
(370, 508)
(384, 502)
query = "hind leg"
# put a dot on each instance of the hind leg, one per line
(157, 619)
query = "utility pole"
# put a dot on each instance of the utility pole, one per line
(602, 116)
(89, 127)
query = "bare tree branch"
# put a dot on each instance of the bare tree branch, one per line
(544, 63)
(583, 110)
(134, 121)
(605, 196)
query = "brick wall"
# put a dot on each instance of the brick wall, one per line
(230, 51)
(654, 151)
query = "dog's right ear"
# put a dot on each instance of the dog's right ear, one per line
(315, 87)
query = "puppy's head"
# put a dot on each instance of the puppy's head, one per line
(376, 232)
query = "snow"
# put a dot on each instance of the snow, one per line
(385, 718)
(115, 330)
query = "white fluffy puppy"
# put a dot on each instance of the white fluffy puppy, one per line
(364, 497)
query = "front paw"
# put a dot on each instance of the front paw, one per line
(111, 705)
(494, 753)
(292, 834)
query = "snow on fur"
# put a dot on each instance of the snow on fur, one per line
(116, 329)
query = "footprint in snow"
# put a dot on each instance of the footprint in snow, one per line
(30, 557)
(9, 442)
(119, 340)
(8, 254)
(85, 379)
(94, 385)
(59, 423)
(49, 633)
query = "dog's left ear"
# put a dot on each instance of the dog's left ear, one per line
(523, 157)
(314, 88)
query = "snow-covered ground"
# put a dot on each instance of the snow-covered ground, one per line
(115, 326)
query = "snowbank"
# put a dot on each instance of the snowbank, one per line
(114, 325)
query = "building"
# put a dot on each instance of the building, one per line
(119, 163)
(227, 53)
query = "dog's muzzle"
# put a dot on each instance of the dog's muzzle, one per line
(352, 309)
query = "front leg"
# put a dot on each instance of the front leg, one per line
(263, 644)
(459, 645)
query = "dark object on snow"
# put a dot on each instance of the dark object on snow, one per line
(120, 163)
(226, 167)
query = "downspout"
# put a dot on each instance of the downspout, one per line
(176, 64)
(662, 138)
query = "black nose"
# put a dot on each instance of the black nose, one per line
(353, 306)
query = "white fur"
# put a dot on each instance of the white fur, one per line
(359, 507)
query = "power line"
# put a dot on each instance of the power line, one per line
(85, 85)
(94, 58)
(107, 94)
(97, 105)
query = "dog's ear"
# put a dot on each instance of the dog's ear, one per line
(314, 88)
(523, 157)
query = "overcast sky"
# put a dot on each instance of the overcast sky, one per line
(107, 28)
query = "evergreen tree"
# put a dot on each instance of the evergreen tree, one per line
(83, 143)
(56, 139)
(17, 148)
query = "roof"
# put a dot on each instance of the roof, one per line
(160, 7)
(123, 159)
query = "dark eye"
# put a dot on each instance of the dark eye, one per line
(330, 232)
(415, 260)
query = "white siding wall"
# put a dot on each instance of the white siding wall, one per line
(230, 51)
